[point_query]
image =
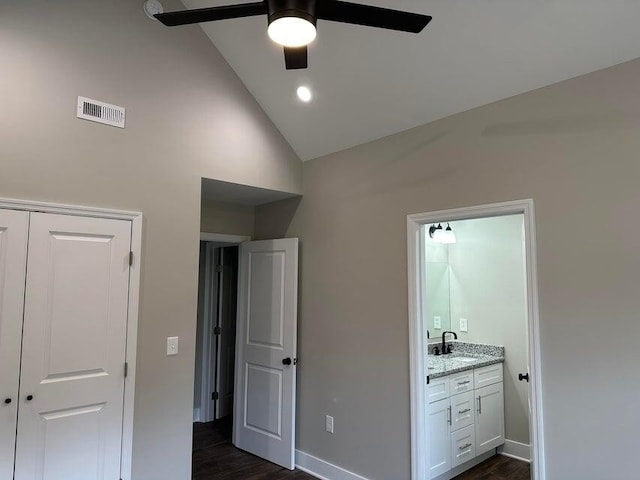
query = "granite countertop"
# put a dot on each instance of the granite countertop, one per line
(441, 365)
(482, 355)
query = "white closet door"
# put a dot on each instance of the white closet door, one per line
(72, 380)
(14, 227)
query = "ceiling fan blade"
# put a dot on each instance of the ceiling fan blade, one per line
(295, 58)
(187, 17)
(346, 12)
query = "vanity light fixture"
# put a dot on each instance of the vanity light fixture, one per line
(442, 235)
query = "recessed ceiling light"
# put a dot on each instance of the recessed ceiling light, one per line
(304, 94)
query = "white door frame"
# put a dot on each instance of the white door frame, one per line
(133, 309)
(417, 333)
(221, 240)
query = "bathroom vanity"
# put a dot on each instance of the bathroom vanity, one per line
(466, 411)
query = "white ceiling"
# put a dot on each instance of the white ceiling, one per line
(369, 83)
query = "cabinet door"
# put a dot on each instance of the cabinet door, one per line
(439, 438)
(75, 325)
(13, 252)
(489, 418)
(462, 411)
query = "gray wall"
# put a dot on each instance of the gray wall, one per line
(227, 218)
(488, 288)
(188, 116)
(573, 148)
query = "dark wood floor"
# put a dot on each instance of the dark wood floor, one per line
(215, 458)
(498, 468)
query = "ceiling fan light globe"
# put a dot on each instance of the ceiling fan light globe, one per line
(292, 31)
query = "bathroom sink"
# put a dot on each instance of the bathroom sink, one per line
(465, 359)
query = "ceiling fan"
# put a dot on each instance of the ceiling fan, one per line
(292, 23)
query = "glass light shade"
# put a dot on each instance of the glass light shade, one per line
(292, 31)
(304, 94)
(447, 236)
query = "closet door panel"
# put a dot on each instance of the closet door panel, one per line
(72, 383)
(14, 227)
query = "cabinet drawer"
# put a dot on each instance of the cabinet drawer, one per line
(462, 410)
(438, 389)
(461, 382)
(487, 375)
(463, 446)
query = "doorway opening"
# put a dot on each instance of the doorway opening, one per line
(475, 344)
(215, 343)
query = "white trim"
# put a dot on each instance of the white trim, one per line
(63, 209)
(132, 346)
(196, 415)
(517, 450)
(322, 469)
(417, 338)
(223, 237)
(136, 220)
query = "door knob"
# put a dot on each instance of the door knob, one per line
(286, 361)
(522, 377)
(7, 401)
(29, 398)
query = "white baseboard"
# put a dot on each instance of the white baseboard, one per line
(517, 450)
(322, 469)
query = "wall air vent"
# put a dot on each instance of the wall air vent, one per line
(100, 112)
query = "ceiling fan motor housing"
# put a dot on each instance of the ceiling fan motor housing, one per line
(305, 9)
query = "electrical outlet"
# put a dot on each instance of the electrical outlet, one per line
(172, 345)
(437, 323)
(464, 325)
(328, 423)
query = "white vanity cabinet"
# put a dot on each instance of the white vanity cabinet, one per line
(466, 418)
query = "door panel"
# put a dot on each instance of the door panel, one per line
(439, 438)
(264, 414)
(73, 352)
(489, 418)
(14, 228)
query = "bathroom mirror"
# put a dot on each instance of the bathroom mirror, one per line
(437, 313)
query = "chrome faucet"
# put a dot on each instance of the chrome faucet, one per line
(444, 342)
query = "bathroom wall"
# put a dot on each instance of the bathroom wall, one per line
(487, 270)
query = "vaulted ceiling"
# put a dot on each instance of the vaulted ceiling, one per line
(369, 83)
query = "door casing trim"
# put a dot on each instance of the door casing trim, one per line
(417, 333)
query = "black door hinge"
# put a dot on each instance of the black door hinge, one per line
(216, 330)
(126, 369)
(214, 395)
(427, 379)
(218, 268)
(130, 258)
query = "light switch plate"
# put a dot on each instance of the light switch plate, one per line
(437, 322)
(464, 325)
(172, 345)
(328, 423)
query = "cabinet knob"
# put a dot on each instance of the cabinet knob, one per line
(29, 398)
(7, 401)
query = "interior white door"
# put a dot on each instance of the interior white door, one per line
(75, 320)
(264, 413)
(227, 315)
(14, 228)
